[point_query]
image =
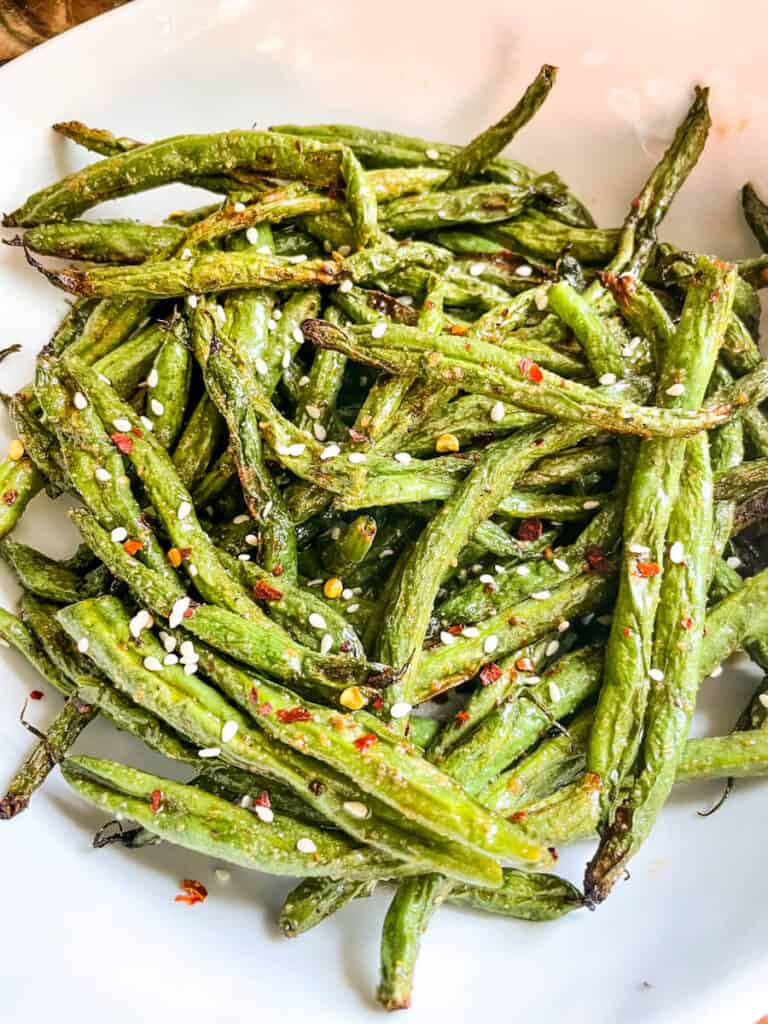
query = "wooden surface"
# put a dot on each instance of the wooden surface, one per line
(26, 23)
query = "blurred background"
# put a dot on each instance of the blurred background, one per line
(26, 23)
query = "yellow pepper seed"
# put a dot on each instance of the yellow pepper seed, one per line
(174, 557)
(333, 587)
(447, 443)
(15, 449)
(352, 698)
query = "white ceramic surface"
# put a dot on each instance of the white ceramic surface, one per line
(89, 935)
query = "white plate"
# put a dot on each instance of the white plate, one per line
(89, 934)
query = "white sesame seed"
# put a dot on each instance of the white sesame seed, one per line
(554, 691)
(102, 475)
(379, 330)
(190, 668)
(733, 562)
(716, 672)
(243, 557)
(297, 449)
(303, 381)
(675, 390)
(319, 431)
(344, 250)
(152, 664)
(180, 606)
(186, 254)
(497, 412)
(147, 424)
(261, 366)
(561, 564)
(313, 411)
(400, 709)
(239, 207)
(676, 552)
(169, 642)
(541, 298)
(265, 814)
(486, 577)
(239, 520)
(119, 534)
(82, 644)
(335, 533)
(246, 800)
(499, 569)
(470, 631)
(639, 549)
(446, 637)
(157, 407)
(586, 619)
(656, 673)
(267, 509)
(552, 648)
(590, 504)
(121, 423)
(80, 401)
(171, 659)
(490, 644)
(476, 269)
(277, 314)
(187, 649)
(221, 316)
(222, 875)
(386, 552)
(251, 539)
(356, 457)
(356, 809)
(524, 270)
(228, 731)
(352, 608)
(271, 324)
(306, 845)
(326, 643)
(346, 285)
(264, 250)
(285, 362)
(252, 236)
(607, 378)
(152, 378)
(209, 752)
(563, 625)
(763, 698)
(431, 154)
(297, 335)
(522, 569)
(104, 378)
(541, 595)
(192, 301)
(184, 509)
(141, 620)
(317, 621)
(298, 258)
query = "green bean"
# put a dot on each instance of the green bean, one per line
(598, 341)
(477, 204)
(127, 365)
(48, 578)
(755, 214)
(14, 633)
(168, 384)
(20, 481)
(530, 897)
(314, 899)
(104, 242)
(542, 237)
(352, 547)
(40, 443)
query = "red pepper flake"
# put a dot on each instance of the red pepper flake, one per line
(185, 552)
(132, 546)
(647, 569)
(530, 529)
(635, 202)
(278, 570)
(455, 629)
(548, 553)
(687, 622)
(714, 295)
(36, 695)
(518, 816)
(189, 613)
(10, 496)
(597, 560)
(262, 800)
(530, 370)
(378, 702)
(627, 631)
(253, 696)
(490, 673)
(264, 591)
(462, 716)
(363, 742)
(154, 800)
(553, 853)
(524, 665)
(137, 432)
(123, 443)
(265, 708)
(458, 329)
(296, 714)
(194, 892)
(357, 435)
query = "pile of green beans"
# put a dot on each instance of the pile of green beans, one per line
(412, 508)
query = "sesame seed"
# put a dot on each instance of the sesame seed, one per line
(523, 569)
(209, 752)
(541, 595)
(297, 335)
(141, 620)
(277, 314)
(169, 642)
(244, 557)
(356, 457)
(264, 250)
(386, 552)
(552, 648)
(303, 381)
(400, 709)
(639, 549)
(446, 637)
(252, 236)
(676, 389)
(271, 324)
(476, 269)
(261, 366)
(379, 330)
(470, 631)
(297, 449)
(763, 698)
(733, 562)
(716, 672)
(346, 285)
(586, 619)
(119, 534)
(352, 608)
(221, 316)
(541, 298)
(607, 378)
(344, 250)
(102, 475)
(239, 520)
(590, 504)
(490, 644)
(298, 258)
(184, 509)
(186, 254)
(147, 424)
(190, 668)
(222, 875)
(561, 564)
(82, 644)
(80, 401)
(239, 207)
(326, 643)
(319, 431)
(171, 659)
(228, 731)
(656, 673)
(180, 606)
(499, 569)
(431, 154)
(356, 809)
(676, 552)
(486, 578)
(524, 270)
(152, 664)
(187, 649)
(265, 814)
(121, 423)
(267, 509)
(104, 378)
(563, 625)
(306, 845)
(317, 621)
(330, 452)
(157, 407)
(251, 539)
(335, 533)
(152, 378)
(192, 301)
(313, 411)
(554, 691)
(286, 360)
(497, 412)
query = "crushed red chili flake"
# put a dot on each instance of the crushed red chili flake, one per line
(378, 702)
(194, 892)
(363, 742)
(647, 568)
(36, 695)
(490, 673)
(262, 800)
(524, 665)
(345, 646)
(687, 622)
(530, 370)
(265, 708)
(264, 591)
(253, 696)
(123, 443)
(597, 560)
(137, 432)
(455, 629)
(530, 529)
(185, 552)
(278, 570)
(518, 816)
(189, 613)
(154, 800)
(548, 553)
(462, 716)
(627, 631)
(553, 851)
(357, 435)
(132, 546)
(297, 714)
(10, 496)
(458, 329)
